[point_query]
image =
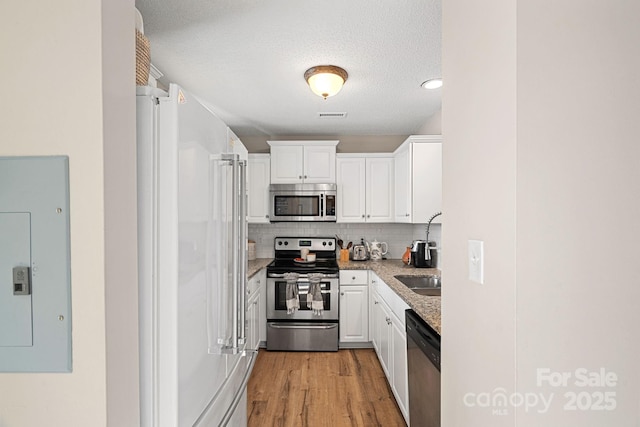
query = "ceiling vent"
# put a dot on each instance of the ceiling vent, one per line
(332, 115)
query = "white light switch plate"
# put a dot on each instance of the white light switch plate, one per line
(476, 261)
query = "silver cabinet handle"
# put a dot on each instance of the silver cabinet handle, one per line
(299, 176)
(353, 278)
(305, 177)
(407, 215)
(342, 293)
(368, 216)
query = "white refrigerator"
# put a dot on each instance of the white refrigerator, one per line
(192, 264)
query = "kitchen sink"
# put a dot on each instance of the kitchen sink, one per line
(430, 284)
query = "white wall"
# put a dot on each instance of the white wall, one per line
(52, 75)
(556, 158)
(479, 189)
(433, 125)
(120, 195)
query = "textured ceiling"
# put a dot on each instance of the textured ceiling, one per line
(246, 60)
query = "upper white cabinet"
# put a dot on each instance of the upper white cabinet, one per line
(365, 188)
(297, 162)
(418, 178)
(258, 177)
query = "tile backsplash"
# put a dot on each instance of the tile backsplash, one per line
(397, 236)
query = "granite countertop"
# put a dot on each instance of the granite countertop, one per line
(427, 307)
(257, 265)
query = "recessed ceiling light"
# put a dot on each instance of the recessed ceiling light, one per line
(432, 84)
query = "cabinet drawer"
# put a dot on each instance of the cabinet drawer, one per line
(354, 277)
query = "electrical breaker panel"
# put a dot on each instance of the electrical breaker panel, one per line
(35, 279)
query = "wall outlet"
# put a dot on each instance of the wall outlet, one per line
(476, 261)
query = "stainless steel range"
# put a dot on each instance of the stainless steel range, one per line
(302, 296)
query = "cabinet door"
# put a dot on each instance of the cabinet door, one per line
(402, 184)
(351, 189)
(399, 375)
(252, 319)
(354, 313)
(383, 323)
(427, 172)
(319, 164)
(261, 279)
(379, 189)
(286, 164)
(258, 178)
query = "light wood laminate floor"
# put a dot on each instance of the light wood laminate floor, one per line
(344, 388)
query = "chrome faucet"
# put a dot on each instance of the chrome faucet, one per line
(427, 252)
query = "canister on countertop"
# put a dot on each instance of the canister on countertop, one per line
(251, 255)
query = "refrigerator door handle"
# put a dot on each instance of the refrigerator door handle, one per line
(235, 243)
(242, 249)
(222, 289)
(238, 265)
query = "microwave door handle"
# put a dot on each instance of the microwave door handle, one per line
(322, 215)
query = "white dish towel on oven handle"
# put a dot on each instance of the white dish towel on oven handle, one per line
(291, 292)
(314, 297)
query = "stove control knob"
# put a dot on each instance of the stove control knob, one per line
(324, 243)
(279, 243)
(330, 243)
(286, 243)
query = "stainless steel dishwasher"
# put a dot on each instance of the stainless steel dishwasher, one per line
(423, 364)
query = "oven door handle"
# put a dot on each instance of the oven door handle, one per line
(302, 278)
(288, 326)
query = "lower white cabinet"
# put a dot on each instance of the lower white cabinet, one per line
(389, 339)
(354, 306)
(253, 321)
(400, 376)
(381, 334)
(256, 317)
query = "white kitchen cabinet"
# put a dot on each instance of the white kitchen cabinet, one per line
(253, 321)
(261, 278)
(258, 178)
(400, 375)
(381, 339)
(256, 310)
(418, 179)
(297, 162)
(365, 188)
(354, 306)
(390, 339)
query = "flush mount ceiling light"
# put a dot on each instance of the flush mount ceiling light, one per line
(325, 80)
(432, 84)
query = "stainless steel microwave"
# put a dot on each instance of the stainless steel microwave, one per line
(302, 202)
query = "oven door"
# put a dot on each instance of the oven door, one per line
(277, 304)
